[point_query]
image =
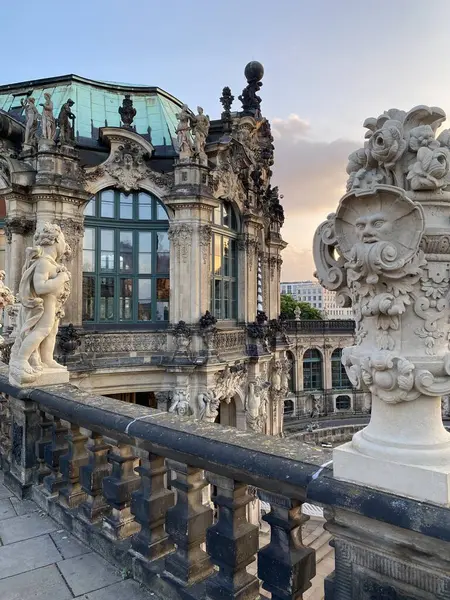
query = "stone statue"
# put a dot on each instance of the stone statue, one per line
(43, 291)
(183, 132)
(180, 403)
(32, 117)
(297, 313)
(208, 407)
(127, 111)
(48, 119)
(200, 125)
(66, 122)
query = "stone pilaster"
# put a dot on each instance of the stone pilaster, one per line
(190, 237)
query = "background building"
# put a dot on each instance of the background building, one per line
(316, 295)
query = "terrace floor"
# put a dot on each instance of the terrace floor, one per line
(39, 560)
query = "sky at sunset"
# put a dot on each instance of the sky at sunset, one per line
(329, 64)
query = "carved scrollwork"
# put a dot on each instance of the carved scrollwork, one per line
(181, 237)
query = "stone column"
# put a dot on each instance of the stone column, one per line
(387, 251)
(190, 242)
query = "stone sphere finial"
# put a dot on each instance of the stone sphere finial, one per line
(254, 71)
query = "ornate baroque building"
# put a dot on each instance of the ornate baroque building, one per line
(174, 230)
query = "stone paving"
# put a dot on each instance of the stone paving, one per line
(41, 561)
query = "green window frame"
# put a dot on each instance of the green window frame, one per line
(339, 377)
(125, 260)
(312, 370)
(224, 263)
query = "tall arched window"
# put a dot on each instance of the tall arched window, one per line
(125, 259)
(339, 379)
(312, 370)
(224, 262)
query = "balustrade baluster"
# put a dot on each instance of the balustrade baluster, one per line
(186, 524)
(5, 432)
(91, 477)
(72, 495)
(149, 505)
(117, 489)
(232, 543)
(52, 454)
(45, 439)
(285, 565)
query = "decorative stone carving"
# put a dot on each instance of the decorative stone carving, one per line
(226, 101)
(389, 155)
(7, 299)
(205, 234)
(48, 120)
(181, 237)
(385, 251)
(200, 129)
(127, 166)
(272, 266)
(73, 232)
(180, 403)
(251, 102)
(43, 291)
(21, 226)
(184, 133)
(66, 123)
(94, 343)
(227, 383)
(182, 335)
(32, 118)
(297, 313)
(256, 404)
(127, 111)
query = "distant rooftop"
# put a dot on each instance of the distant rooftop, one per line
(97, 104)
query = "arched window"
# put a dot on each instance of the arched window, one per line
(339, 379)
(224, 262)
(125, 259)
(312, 370)
(292, 382)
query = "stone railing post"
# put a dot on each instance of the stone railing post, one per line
(72, 495)
(232, 543)
(45, 439)
(117, 489)
(91, 478)
(149, 505)
(186, 524)
(52, 454)
(285, 565)
(24, 434)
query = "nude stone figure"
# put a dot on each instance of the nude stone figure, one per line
(43, 291)
(48, 120)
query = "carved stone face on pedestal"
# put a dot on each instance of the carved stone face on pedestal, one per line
(381, 253)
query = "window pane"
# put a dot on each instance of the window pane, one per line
(88, 301)
(89, 210)
(126, 300)
(145, 300)
(106, 298)
(161, 213)
(226, 257)
(89, 249)
(89, 260)
(145, 252)
(162, 299)
(226, 216)
(226, 300)
(217, 216)
(107, 204)
(233, 258)
(217, 255)
(162, 249)
(126, 206)
(107, 250)
(126, 251)
(217, 298)
(145, 206)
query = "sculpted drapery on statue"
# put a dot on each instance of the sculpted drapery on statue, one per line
(200, 125)
(184, 133)
(48, 119)
(66, 122)
(384, 252)
(31, 125)
(43, 291)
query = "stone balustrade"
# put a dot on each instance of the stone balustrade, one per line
(320, 326)
(132, 481)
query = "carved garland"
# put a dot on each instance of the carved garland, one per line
(181, 237)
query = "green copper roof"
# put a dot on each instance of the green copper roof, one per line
(97, 104)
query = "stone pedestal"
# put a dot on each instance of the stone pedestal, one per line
(47, 377)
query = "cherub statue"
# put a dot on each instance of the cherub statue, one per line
(43, 291)
(48, 120)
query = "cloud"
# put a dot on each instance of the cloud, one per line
(311, 176)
